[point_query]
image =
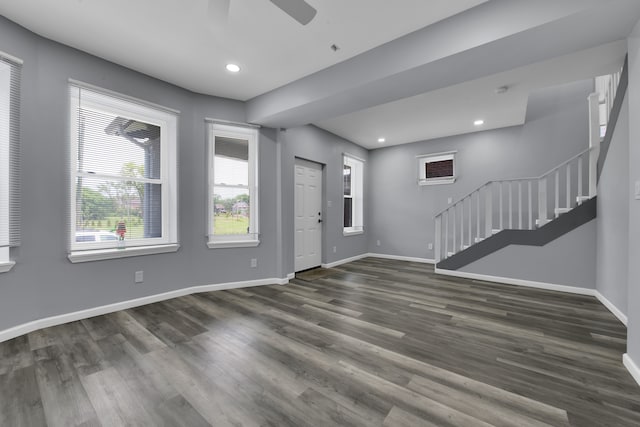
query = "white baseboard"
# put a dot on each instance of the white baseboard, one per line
(374, 255)
(402, 258)
(46, 322)
(612, 308)
(517, 282)
(344, 261)
(631, 367)
(289, 277)
(540, 285)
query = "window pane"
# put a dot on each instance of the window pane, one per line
(114, 145)
(348, 212)
(440, 169)
(231, 211)
(231, 165)
(103, 206)
(347, 180)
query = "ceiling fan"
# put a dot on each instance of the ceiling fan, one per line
(299, 10)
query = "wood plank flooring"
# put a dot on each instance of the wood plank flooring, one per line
(371, 343)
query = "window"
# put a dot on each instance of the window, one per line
(233, 189)
(123, 180)
(436, 168)
(9, 161)
(353, 190)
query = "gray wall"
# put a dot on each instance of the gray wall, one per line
(569, 260)
(317, 145)
(633, 297)
(401, 212)
(43, 282)
(613, 216)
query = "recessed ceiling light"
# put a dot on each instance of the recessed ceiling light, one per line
(381, 140)
(233, 68)
(478, 122)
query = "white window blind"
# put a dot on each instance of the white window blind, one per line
(10, 71)
(123, 160)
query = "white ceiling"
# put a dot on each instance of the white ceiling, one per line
(452, 110)
(176, 41)
(289, 72)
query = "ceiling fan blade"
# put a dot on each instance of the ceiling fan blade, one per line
(299, 10)
(218, 11)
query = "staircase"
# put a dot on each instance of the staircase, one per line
(532, 210)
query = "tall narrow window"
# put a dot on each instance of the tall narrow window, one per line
(9, 161)
(233, 196)
(353, 195)
(123, 189)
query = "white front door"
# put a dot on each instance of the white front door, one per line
(308, 214)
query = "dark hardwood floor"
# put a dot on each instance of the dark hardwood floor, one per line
(373, 342)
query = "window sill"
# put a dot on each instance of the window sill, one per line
(6, 266)
(437, 181)
(233, 244)
(352, 233)
(102, 254)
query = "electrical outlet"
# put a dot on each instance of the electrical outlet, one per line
(637, 192)
(430, 246)
(377, 242)
(139, 278)
(329, 203)
(254, 262)
(334, 249)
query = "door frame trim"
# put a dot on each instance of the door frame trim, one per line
(301, 160)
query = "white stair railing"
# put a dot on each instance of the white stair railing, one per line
(482, 212)
(606, 89)
(600, 106)
(512, 204)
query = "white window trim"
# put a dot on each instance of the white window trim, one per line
(436, 157)
(237, 131)
(101, 254)
(167, 120)
(5, 173)
(5, 262)
(357, 199)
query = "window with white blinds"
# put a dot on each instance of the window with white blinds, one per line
(9, 158)
(123, 172)
(353, 195)
(233, 195)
